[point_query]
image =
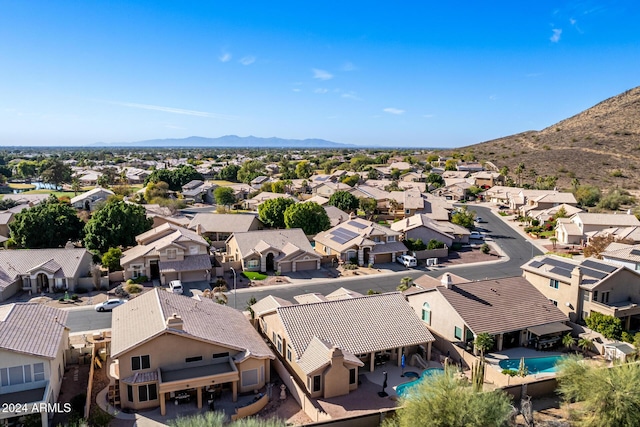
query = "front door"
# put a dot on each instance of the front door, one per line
(154, 269)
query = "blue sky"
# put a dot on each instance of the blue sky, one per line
(397, 74)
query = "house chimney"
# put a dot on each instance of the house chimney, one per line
(351, 216)
(336, 356)
(175, 322)
(576, 276)
(446, 280)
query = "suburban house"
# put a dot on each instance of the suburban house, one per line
(327, 188)
(457, 312)
(575, 229)
(629, 235)
(405, 203)
(362, 240)
(6, 218)
(579, 288)
(91, 199)
(457, 191)
(324, 344)
(199, 191)
(422, 227)
(336, 216)
(549, 213)
(369, 192)
(219, 227)
(165, 344)
(286, 250)
(537, 200)
(33, 340)
(42, 270)
(168, 252)
(622, 254)
(252, 204)
(500, 195)
(487, 179)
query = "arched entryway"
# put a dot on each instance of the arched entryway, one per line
(269, 265)
(366, 253)
(43, 282)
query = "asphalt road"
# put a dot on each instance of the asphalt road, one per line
(518, 249)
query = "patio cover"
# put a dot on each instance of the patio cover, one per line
(550, 328)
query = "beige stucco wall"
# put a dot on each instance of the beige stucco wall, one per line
(427, 234)
(262, 365)
(336, 379)
(443, 318)
(567, 293)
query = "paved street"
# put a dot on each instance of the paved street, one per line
(508, 240)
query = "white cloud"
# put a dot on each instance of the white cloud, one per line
(321, 90)
(395, 111)
(247, 60)
(225, 57)
(174, 110)
(295, 89)
(174, 127)
(572, 21)
(321, 74)
(351, 95)
(348, 66)
(493, 97)
(557, 32)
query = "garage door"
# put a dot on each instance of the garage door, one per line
(285, 267)
(193, 276)
(382, 258)
(306, 265)
(169, 277)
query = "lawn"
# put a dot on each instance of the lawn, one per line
(20, 186)
(68, 194)
(252, 275)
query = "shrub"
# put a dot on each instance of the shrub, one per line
(140, 279)
(485, 249)
(415, 244)
(75, 297)
(350, 266)
(435, 244)
(129, 282)
(133, 288)
(353, 260)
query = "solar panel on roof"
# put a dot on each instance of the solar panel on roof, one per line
(342, 236)
(635, 251)
(560, 271)
(558, 263)
(599, 266)
(536, 264)
(594, 273)
(357, 225)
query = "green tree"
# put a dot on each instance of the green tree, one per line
(156, 190)
(309, 216)
(111, 259)
(435, 180)
(27, 169)
(250, 170)
(55, 172)
(304, 169)
(344, 200)
(405, 283)
(368, 205)
(483, 343)
(50, 224)
(175, 178)
(271, 212)
(446, 400)
(609, 326)
(519, 171)
(450, 165)
(351, 180)
(464, 217)
(75, 186)
(606, 396)
(568, 341)
(117, 223)
(587, 195)
(224, 196)
(229, 173)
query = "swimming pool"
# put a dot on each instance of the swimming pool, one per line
(402, 390)
(535, 365)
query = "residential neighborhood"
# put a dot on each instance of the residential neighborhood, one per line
(174, 288)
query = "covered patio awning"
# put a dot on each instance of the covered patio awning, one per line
(550, 328)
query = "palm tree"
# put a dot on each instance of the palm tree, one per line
(218, 293)
(75, 186)
(585, 344)
(405, 283)
(568, 341)
(553, 241)
(575, 183)
(519, 170)
(483, 343)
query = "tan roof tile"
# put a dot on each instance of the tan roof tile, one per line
(34, 329)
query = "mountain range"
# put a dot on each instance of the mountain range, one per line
(599, 146)
(230, 141)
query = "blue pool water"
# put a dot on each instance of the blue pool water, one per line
(535, 365)
(403, 389)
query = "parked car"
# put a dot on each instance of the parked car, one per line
(479, 220)
(109, 304)
(407, 260)
(175, 286)
(476, 235)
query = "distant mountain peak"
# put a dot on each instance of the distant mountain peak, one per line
(230, 141)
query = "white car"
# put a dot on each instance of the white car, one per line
(109, 304)
(476, 235)
(479, 220)
(407, 260)
(175, 286)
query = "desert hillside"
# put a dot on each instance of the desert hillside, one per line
(599, 146)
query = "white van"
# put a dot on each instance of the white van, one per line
(407, 260)
(175, 286)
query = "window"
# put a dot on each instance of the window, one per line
(554, 283)
(376, 239)
(147, 392)
(273, 337)
(249, 378)
(38, 371)
(604, 297)
(457, 333)
(193, 250)
(289, 356)
(140, 362)
(391, 238)
(253, 263)
(172, 253)
(554, 302)
(16, 375)
(265, 327)
(594, 296)
(193, 359)
(407, 211)
(352, 376)
(137, 271)
(426, 313)
(220, 355)
(129, 393)
(328, 251)
(279, 344)
(315, 383)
